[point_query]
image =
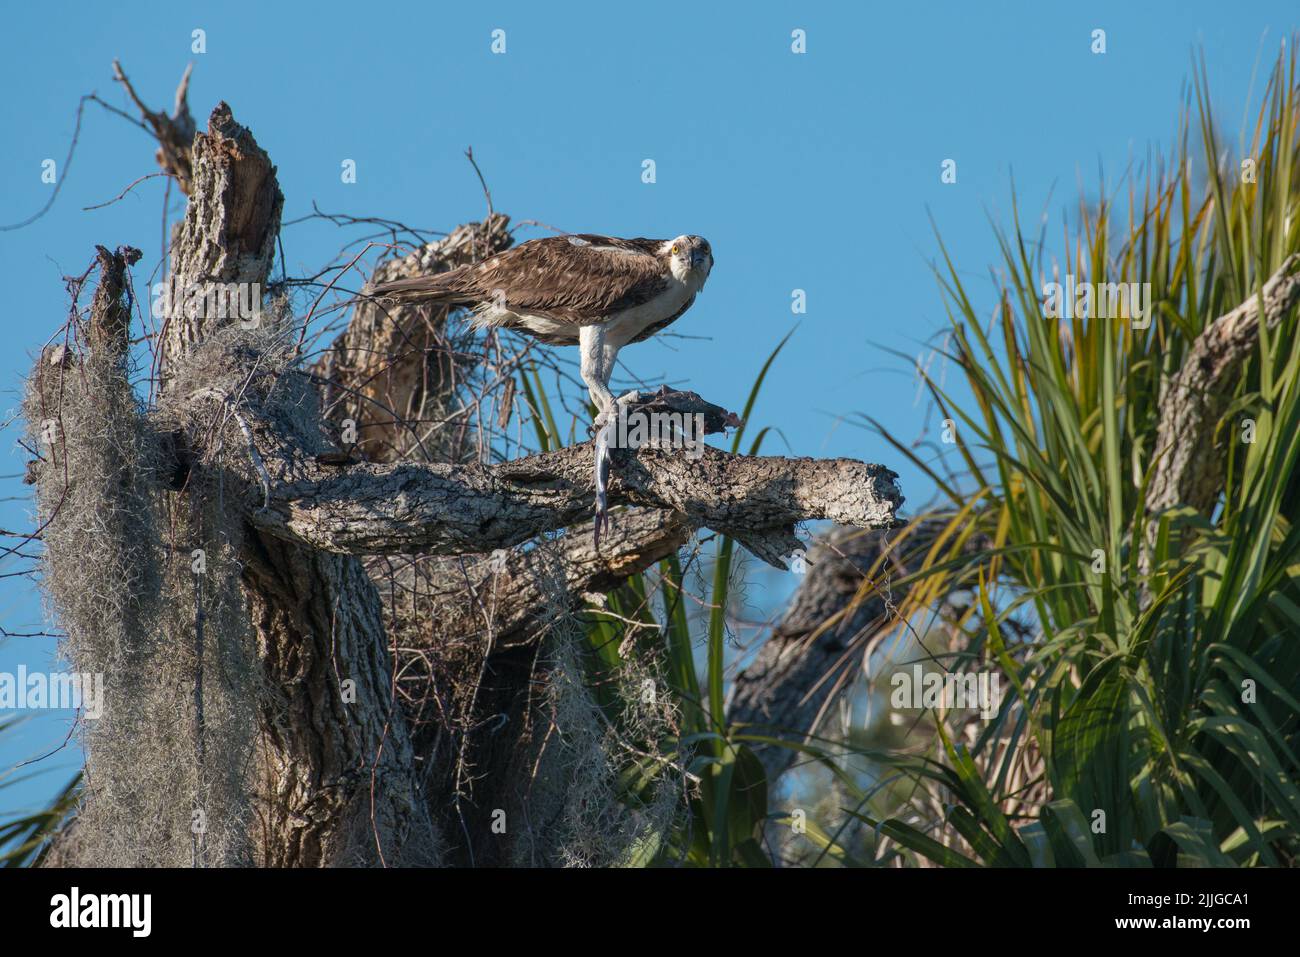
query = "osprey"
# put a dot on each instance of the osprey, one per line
(596, 292)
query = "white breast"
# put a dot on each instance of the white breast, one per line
(630, 323)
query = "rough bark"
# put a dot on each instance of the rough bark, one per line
(1194, 400)
(339, 783)
(818, 644)
(341, 787)
(454, 509)
(392, 369)
(110, 314)
(228, 234)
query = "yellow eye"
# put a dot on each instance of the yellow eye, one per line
(676, 249)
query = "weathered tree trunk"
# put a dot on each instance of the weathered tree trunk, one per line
(817, 648)
(339, 777)
(242, 469)
(392, 370)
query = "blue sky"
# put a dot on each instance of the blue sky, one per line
(810, 171)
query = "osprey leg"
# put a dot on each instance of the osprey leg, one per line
(597, 365)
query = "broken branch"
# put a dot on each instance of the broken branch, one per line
(456, 509)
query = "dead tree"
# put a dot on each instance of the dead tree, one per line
(324, 649)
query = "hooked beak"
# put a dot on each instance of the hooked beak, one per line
(698, 258)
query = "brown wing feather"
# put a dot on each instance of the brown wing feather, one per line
(447, 287)
(580, 279)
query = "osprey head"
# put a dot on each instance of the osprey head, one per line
(690, 258)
